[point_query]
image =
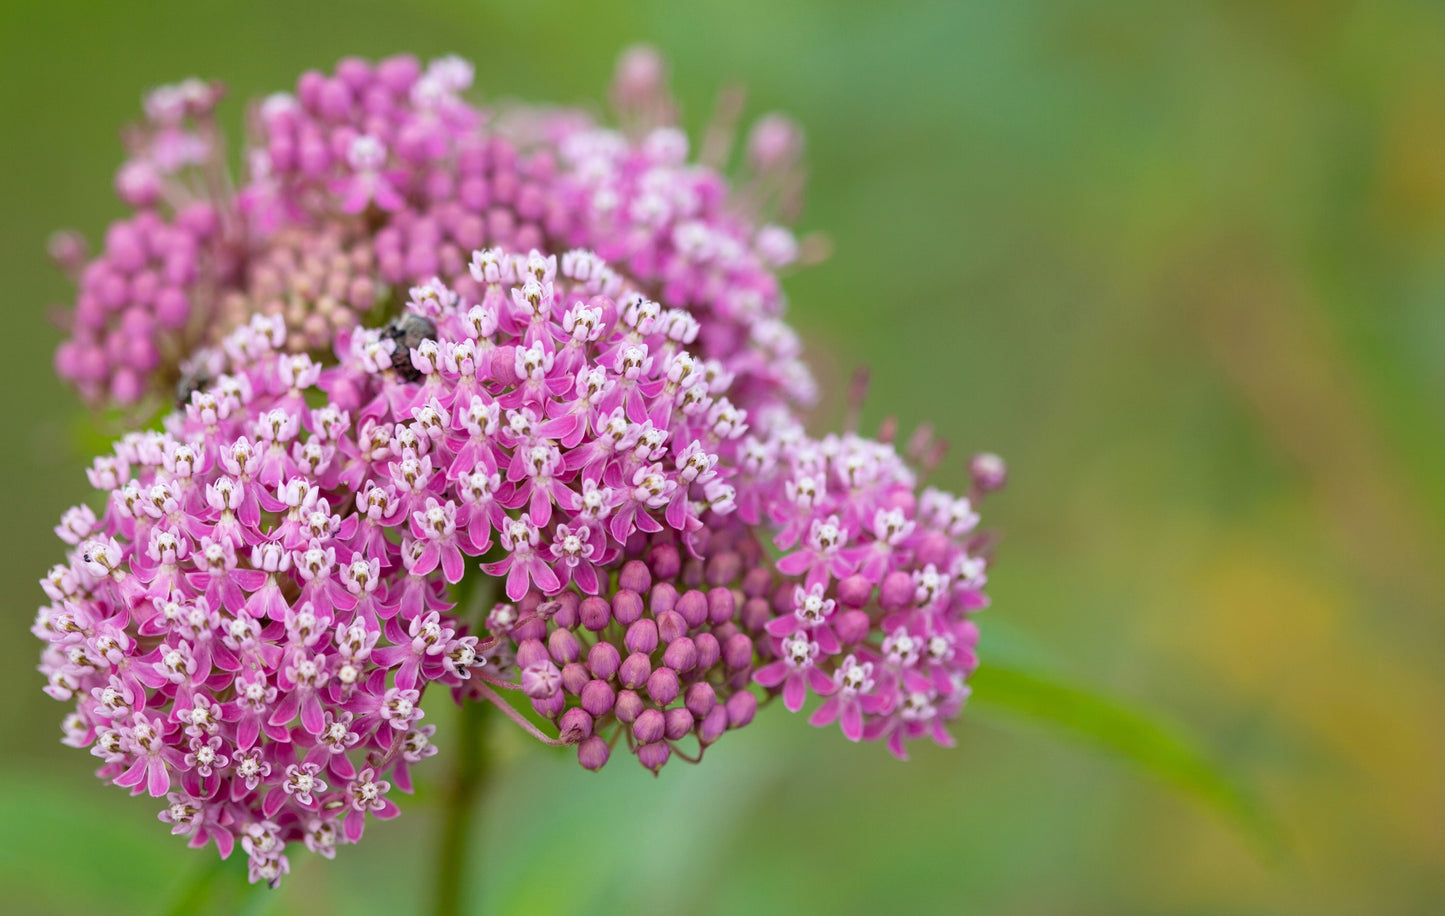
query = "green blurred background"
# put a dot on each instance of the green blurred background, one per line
(1182, 264)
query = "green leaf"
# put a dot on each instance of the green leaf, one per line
(1157, 746)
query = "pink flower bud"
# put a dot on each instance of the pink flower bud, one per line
(594, 613)
(597, 697)
(628, 706)
(575, 725)
(662, 686)
(737, 652)
(641, 636)
(700, 699)
(741, 706)
(649, 726)
(709, 650)
(677, 722)
(854, 591)
(574, 677)
(627, 606)
(692, 605)
(635, 670)
(720, 605)
(670, 626)
(654, 756)
(852, 627)
(681, 654)
(634, 576)
(603, 660)
(592, 753)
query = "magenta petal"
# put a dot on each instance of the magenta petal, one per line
(158, 780)
(342, 766)
(311, 717)
(852, 722)
(453, 566)
(782, 626)
(895, 744)
(771, 675)
(795, 563)
(795, 693)
(825, 714)
(353, 824)
(820, 682)
(132, 776)
(517, 582)
(286, 710)
(247, 731)
(406, 675)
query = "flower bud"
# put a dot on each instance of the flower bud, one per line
(723, 568)
(635, 576)
(670, 626)
(677, 722)
(575, 725)
(700, 699)
(988, 471)
(708, 650)
(932, 549)
(626, 606)
(662, 686)
(737, 652)
(533, 628)
(563, 647)
(692, 605)
(852, 627)
(664, 561)
(854, 591)
(531, 652)
(896, 592)
(681, 654)
(662, 598)
(692, 572)
(550, 707)
(641, 636)
(720, 605)
(628, 706)
(712, 727)
(540, 680)
(574, 676)
(757, 612)
(592, 753)
(564, 614)
(650, 726)
(603, 660)
(597, 697)
(595, 613)
(741, 707)
(635, 671)
(757, 582)
(654, 756)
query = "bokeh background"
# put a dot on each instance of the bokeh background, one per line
(1183, 264)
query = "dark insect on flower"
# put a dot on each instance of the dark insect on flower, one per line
(408, 330)
(198, 378)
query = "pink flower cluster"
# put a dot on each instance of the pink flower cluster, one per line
(381, 176)
(432, 358)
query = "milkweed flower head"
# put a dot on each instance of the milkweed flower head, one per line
(364, 182)
(427, 348)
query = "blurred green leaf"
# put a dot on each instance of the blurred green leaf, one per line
(1159, 747)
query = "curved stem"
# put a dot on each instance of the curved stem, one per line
(459, 808)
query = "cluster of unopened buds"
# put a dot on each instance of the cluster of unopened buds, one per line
(498, 404)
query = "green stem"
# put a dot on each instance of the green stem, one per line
(460, 806)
